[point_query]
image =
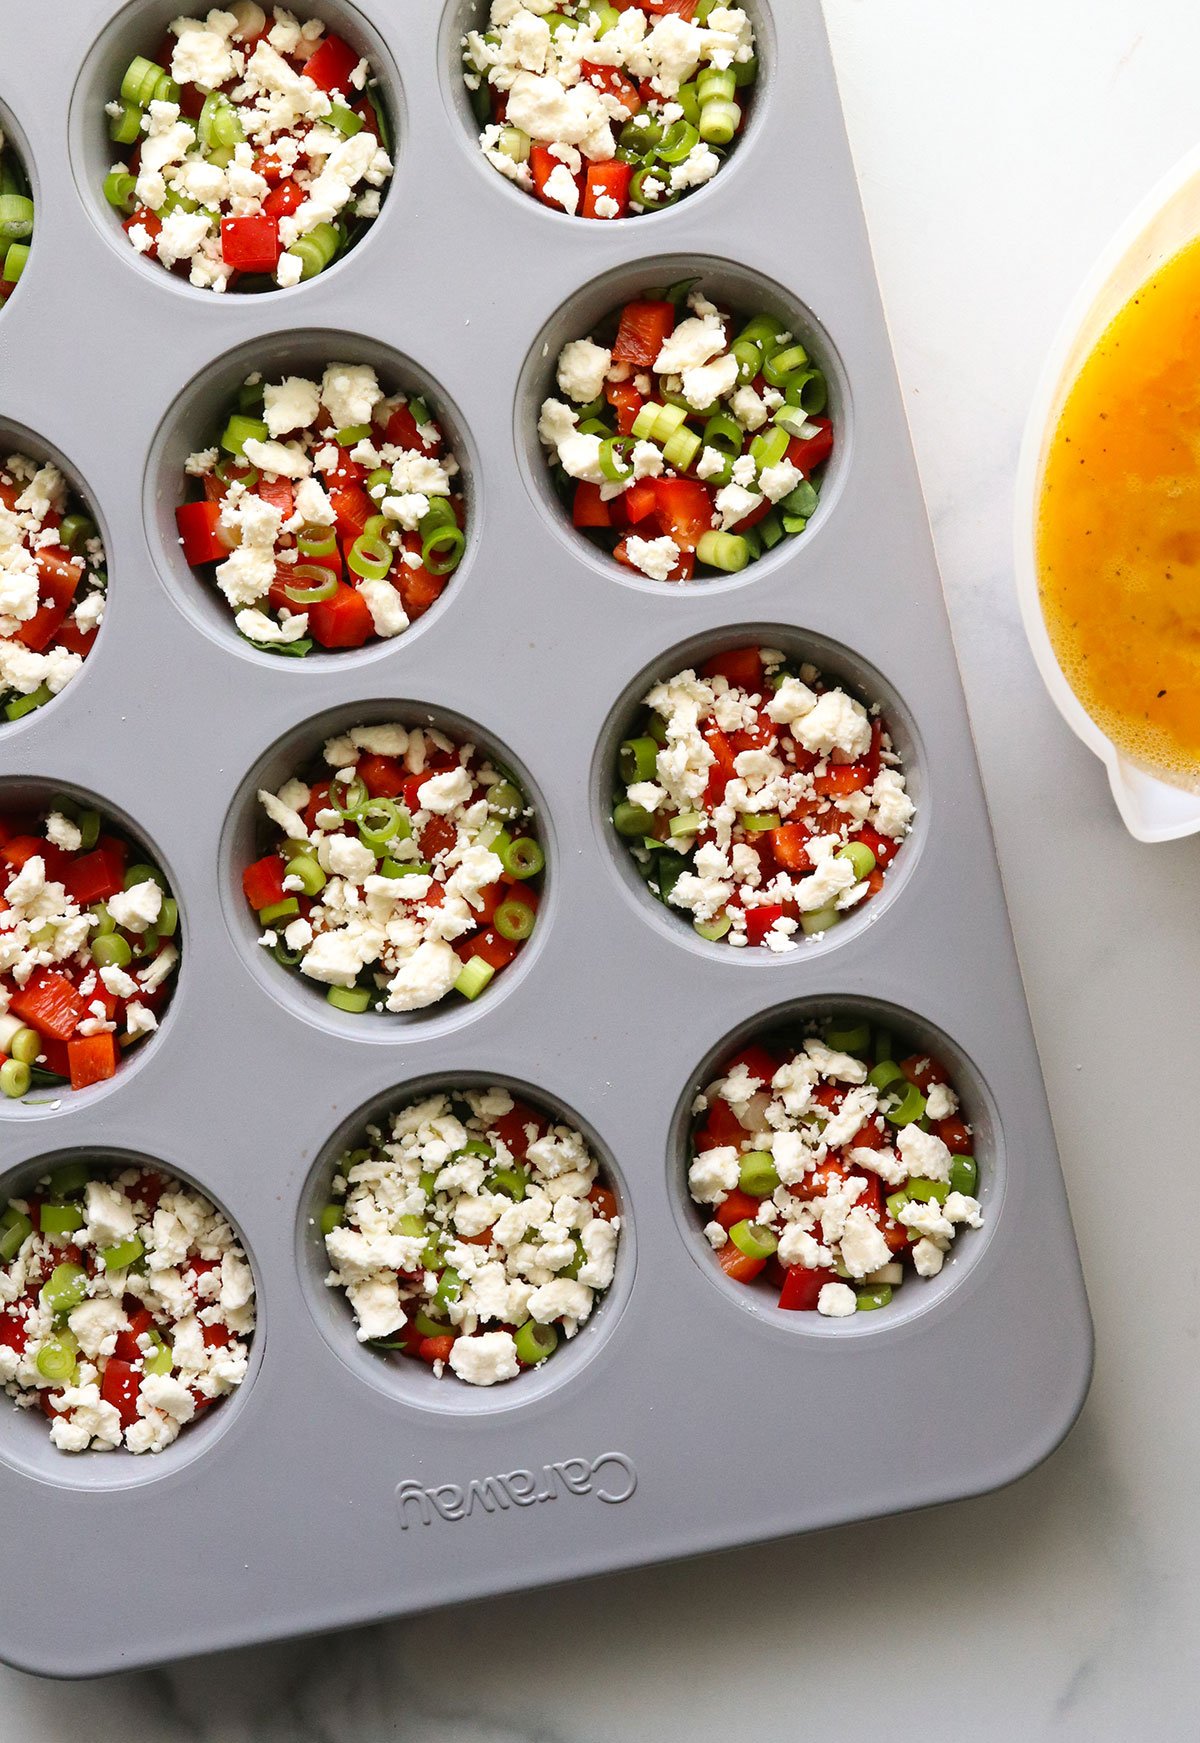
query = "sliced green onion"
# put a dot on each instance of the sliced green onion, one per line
(638, 760)
(756, 1240)
(964, 1175)
(25, 1046)
(110, 950)
(306, 868)
(14, 1079)
(125, 128)
(442, 551)
(352, 435)
(61, 1219)
(681, 449)
(321, 582)
(349, 796)
(120, 190)
(686, 823)
(123, 1255)
(714, 82)
(514, 920)
(712, 930)
(858, 855)
(758, 822)
(370, 558)
(14, 1231)
(802, 501)
(512, 1182)
(928, 1191)
(355, 999)
(534, 1343)
(392, 823)
(317, 541)
(57, 1357)
(615, 462)
(853, 1038)
(769, 448)
(757, 1174)
(631, 819)
(728, 552)
(285, 910)
(724, 434)
(474, 977)
(645, 421)
(785, 363)
(821, 921)
(909, 1109)
(885, 1074)
(168, 918)
(345, 120)
(809, 390)
(523, 858)
(895, 1203)
(678, 142)
(69, 1179)
(719, 121)
(240, 430)
(514, 143)
(641, 194)
(316, 250)
(64, 1289)
(332, 1217)
(874, 1296)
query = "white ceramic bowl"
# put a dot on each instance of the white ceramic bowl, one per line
(1151, 809)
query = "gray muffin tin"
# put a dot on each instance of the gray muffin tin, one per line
(690, 1414)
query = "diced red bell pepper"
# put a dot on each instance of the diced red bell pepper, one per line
(92, 1059)
(20, 849)
(383, 777)
(262, 882)
(279, 493)
(49, 1003)
(613, 83)
(825, 1178)
(739, 1266)
(924, 1070)
(54, 1057)
(806, 455)
(217, 1337)
(251, 244)
(353, 508)
(119, 1386)
(722, 1127)
(640, 501)
(685, 8)
(955, 1135)
(590, 508)
(603, 1202)
(419, 590)
(840, 779)
(38, 631)
(404, 431)
(511, 1128)
(738, 1207)
(14, 1331)
(542, 165)
(127, 1348)
(94, 877)
(342, 621)
(626, 402)
(75, 640)
(802, 1288)
(437, 836)
(685, 510)
(742, 668)
(644, 330)
(496, 951)
(282, 201)
(758, 1062)
(759, 921)
(882, 846)
(331, 64)
(150, 222)
(269, 167)
(608, 181)
(198, 524)
(435, 1349)
(789, 844)
(759, 512)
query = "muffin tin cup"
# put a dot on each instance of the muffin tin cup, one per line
(682, 1423)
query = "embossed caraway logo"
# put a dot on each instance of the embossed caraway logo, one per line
(610, 1478)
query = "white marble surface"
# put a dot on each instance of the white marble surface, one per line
(998, 147)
